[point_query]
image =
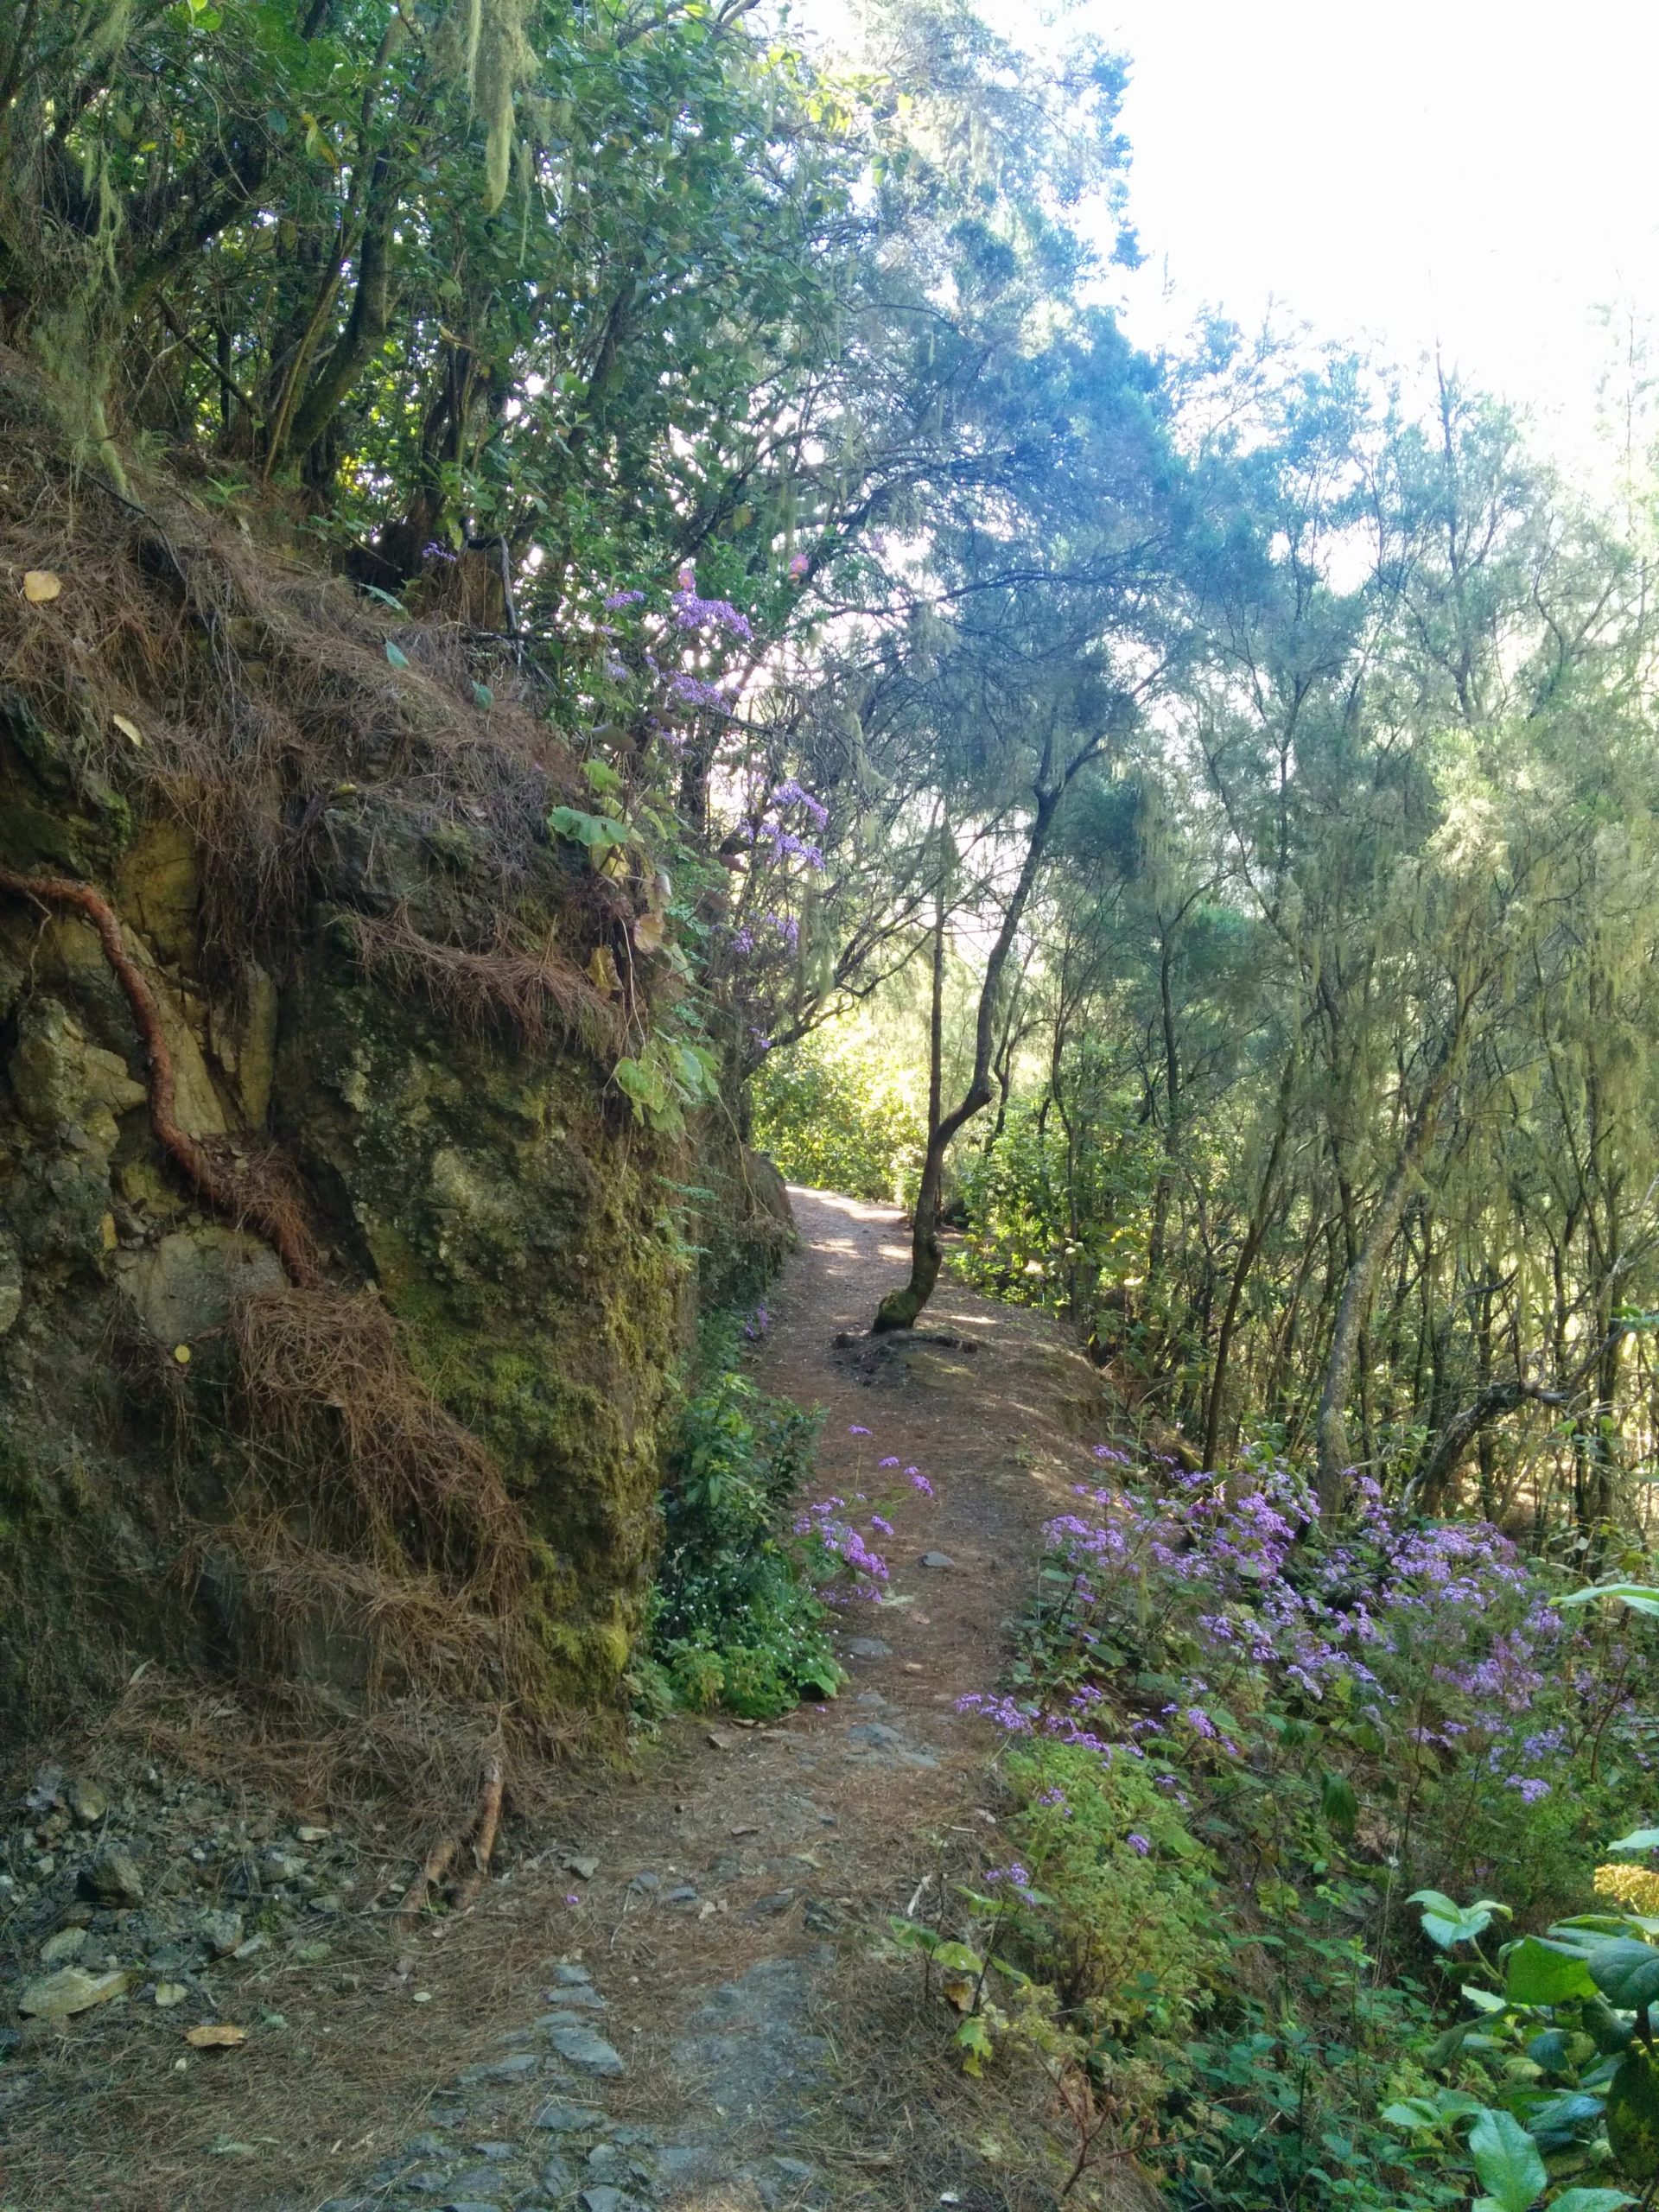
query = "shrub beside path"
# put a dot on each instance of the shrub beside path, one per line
(683, 1999)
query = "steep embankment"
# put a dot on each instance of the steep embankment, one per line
(340, 1285)
(715, 1921)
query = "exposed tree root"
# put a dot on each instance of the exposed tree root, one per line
(281, 1223)
(443, 1854)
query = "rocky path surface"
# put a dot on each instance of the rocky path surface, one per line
(675, 2001)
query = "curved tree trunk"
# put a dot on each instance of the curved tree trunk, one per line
(900, 1308)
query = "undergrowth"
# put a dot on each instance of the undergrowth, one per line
(1243, 1752)
(736, 1619)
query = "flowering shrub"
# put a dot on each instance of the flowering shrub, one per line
(1490, 1733)
(1328, 1717)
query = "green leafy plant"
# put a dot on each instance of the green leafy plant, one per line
(735, 1619)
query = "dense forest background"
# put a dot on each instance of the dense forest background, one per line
(1267, 756)
(1183, 823)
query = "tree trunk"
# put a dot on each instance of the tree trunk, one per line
(1247, 1253)
(1330, 1432)
(900, 1308)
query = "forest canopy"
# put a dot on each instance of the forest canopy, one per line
(1244, 775)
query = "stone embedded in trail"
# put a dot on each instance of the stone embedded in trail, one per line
(86, 1802)
(868, 1647)
(504, 2070)
(571, 1975)
(59, 1996)
(580, 1996)
(477, 2182)
(773, 2177)
(768, 1908)
(582, 2048)
(558, 2177)
(112, 1879)
(751, 2043)
(220, 1931)
(565, 2119)
(935, 1559)
(65, 1944)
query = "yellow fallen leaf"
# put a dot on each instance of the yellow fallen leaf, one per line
(168, 1993)
(648, 932)
(601, 969)
(128, 728)
(218, 2036)
(958, 1990)
(41, 585)
(182, 1353)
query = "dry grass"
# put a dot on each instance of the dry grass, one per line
(324, 1382)
(525, 982)
(263, 697)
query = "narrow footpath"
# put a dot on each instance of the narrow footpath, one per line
(680, 2000)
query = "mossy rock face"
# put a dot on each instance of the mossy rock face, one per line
(519, 1228)
(546, 1256)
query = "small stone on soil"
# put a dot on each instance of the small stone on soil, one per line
(580, 1994)
(935, 1559)
(567, 2119)
(112, 1879)
(868, 1647)
(583, 2049)
(571, 1976)
(504, 2070)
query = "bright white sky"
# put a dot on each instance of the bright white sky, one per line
(1483, 173)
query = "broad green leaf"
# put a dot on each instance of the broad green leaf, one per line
(1640, 1597)
(1446, 1923)
(482, 695)
(395, 655)
(1484, 2000)
(1507, 2160)
(1544, 1973)
(1590, 2200)
(1414, 2112)
(1637, 1840)
(1339, 1804)
(1626, 1972)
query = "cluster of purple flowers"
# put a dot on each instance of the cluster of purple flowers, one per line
(1015, 1875)
(692, 613)
(792, 794)
(829, 1524)
(1439, 1634)
(697, 691)
(784, 927)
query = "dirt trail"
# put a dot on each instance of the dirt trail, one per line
(702, 2027)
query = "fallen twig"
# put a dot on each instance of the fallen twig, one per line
(444, 1852)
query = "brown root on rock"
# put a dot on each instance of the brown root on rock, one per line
(276, 1217)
